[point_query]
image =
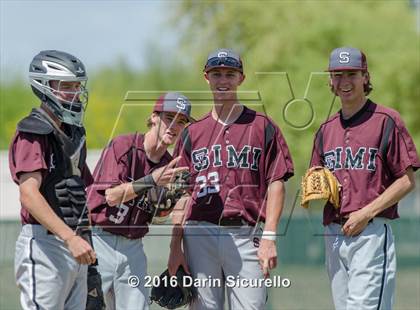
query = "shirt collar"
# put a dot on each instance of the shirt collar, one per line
(356, 116)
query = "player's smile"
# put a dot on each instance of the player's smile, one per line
(349, 85)
(345, 91)
(170, 126)
(171, 136)
(224, 83)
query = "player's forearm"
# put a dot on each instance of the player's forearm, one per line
(275, 202)
(119, 194)
(128, 191)
(393, 193)
(178, 219)
(179, 212)
(39, 208)
(177, 234)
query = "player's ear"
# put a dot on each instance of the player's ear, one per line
(331, 85)
(366, 77)
(154, 119)
(242, 78)
(206, 76)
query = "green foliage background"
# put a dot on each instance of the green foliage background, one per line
(273, 36)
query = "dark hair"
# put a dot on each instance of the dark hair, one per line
(149, 122)
(368, 87)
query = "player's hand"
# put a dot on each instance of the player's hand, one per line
(267, 255)
(116, 195)
(166, 174)
(81, 250)
(176, 259)
(357, 222)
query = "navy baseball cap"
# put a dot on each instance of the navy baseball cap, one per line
(347, 58)
(174, 102)
(223, 58)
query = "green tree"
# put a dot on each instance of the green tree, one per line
(296, 37)
(293, 37)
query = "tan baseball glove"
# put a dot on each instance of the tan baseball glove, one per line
(320, 183)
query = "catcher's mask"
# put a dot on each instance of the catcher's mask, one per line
(68, 105)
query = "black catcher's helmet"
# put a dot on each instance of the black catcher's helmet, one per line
(59, 66)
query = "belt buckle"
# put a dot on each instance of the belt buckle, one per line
(232, 222)
(341, 221)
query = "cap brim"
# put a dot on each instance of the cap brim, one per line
(190, 118)
(222, 66)
(344, 69)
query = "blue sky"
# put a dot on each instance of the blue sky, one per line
(98, 32)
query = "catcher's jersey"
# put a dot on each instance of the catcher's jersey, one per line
(122, 161)
(232, 165)
(29, 153)
(366, 153)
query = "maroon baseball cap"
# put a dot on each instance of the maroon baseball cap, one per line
(223, 58)
(347, 58)
(174, 102)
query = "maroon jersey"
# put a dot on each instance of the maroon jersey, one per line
(232, 165)
(123, 160)
(29, 153)
(366, 153)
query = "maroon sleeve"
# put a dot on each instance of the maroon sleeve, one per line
(105, 175)
(183, 149)
(401, 151)
(278, 161)
(316, 158)
(107, 170)
(27, 154)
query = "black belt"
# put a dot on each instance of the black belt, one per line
(342, 220)
(233, 222)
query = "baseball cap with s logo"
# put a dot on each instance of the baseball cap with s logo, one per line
(174, 102)
(347, 58)
(223, 58)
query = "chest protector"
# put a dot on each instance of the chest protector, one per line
(63, 187)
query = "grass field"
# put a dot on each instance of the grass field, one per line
(308, 290)
(309, 287)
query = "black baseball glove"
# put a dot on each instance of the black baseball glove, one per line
(161, 200)
(95, 297)
(172, 296)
